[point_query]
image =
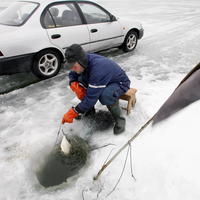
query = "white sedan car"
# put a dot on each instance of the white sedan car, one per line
(34, 34)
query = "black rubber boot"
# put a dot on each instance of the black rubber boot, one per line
(120, 121)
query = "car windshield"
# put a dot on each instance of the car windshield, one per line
(17, 13)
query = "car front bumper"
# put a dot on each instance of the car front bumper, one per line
(16, 64)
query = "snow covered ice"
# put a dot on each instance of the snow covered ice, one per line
(166, 159)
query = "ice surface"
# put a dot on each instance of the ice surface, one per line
(166, 160)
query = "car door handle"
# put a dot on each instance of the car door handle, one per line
(93, 30)
(55, 36)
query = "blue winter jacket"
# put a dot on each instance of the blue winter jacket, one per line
(100, 72)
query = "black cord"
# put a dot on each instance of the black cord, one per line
(60, 127)
(121, 173)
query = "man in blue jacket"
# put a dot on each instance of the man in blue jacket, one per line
(94, 77)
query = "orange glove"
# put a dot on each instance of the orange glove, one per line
(69, 116)
(79, 90)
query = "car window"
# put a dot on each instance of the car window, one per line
(48, 20)
(94, 14)
(62, 15)
(17, 13)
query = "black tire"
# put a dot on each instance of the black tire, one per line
(46, 64)
(130, 41)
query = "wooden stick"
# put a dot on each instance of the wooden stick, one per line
(122, 148)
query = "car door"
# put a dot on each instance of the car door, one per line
(64, 26)
(104, 31)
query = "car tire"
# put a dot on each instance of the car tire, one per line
(46, 64)
(130, 41)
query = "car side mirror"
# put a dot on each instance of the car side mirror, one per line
(113, 18)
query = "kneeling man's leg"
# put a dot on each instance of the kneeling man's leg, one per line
(110, 98)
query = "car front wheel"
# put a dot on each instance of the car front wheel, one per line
(46, 64)
(130, 41)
